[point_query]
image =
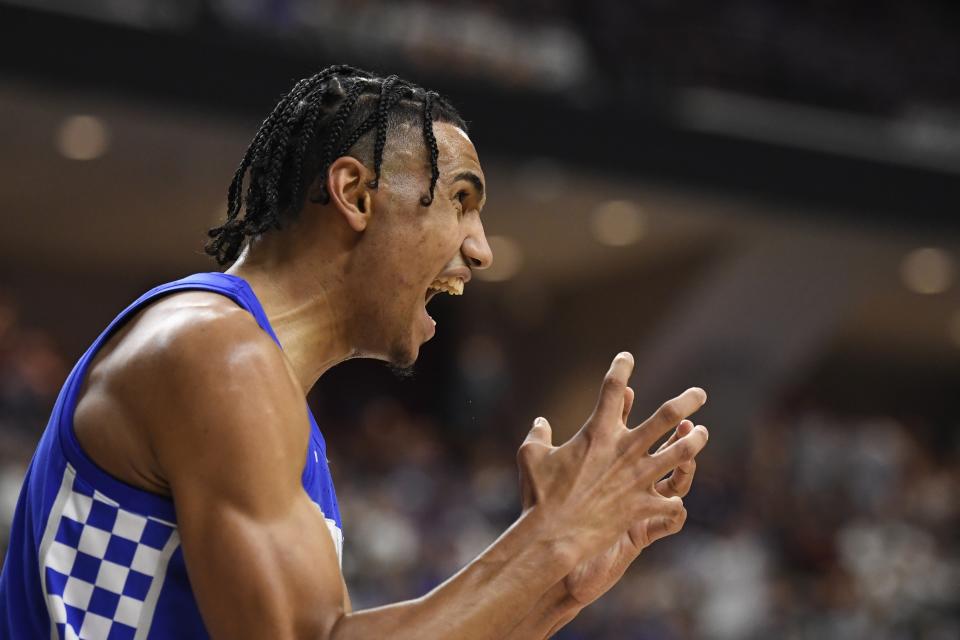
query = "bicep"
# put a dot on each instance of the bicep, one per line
(261, 574)
(230, 439)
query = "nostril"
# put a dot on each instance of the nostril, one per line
(475, 262)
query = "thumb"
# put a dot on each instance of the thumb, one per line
(535, 446)
(540, 433)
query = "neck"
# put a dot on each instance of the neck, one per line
(300, 301)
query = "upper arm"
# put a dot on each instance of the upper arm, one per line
(229, 429)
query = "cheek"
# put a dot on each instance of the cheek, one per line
(434, 246)
(414, 249)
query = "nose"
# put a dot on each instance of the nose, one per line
(476, 250)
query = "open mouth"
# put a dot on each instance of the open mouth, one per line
(450, 285)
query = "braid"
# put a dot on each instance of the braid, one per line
(383, 115)
(227, 239)
(236, 186)
(336, 129)
(320, 119)
(431, 142)
(271, 144)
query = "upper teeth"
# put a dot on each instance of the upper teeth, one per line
(453, 286)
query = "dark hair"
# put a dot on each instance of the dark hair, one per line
(322, 118)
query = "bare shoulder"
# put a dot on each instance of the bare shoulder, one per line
(183, 341)
(190, 374)
(198, 335)
(199, 353)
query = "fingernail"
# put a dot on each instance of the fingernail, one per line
(539, 422)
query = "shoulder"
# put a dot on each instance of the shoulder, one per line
(201, 375)
(181, 343)
(172, 325)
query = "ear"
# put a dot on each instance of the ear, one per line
(349, 194)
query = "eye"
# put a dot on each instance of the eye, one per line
(461, 198)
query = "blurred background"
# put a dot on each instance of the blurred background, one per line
(758, 198)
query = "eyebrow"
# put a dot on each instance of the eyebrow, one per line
(473, 179)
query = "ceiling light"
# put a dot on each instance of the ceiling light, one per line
(507, 259)
(618, 223)
(82, 138)
(927, 271)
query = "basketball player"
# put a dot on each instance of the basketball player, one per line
(181, 488)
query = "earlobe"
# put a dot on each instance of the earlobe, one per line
(349, 194)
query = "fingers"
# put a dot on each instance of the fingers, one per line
(658, 517)
(665, 525)
(530, 454)
(680, 452)
(536, 445)
(610, 405)
(628, 395)
(682, 429)
(667, 417)
(540, 433)
(679, 481)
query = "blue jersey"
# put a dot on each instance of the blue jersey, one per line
(92, 557)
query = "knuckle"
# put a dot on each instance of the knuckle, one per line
(670, 412)
(613, 383)
(685, 449)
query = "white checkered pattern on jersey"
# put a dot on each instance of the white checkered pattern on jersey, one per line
(101, 563)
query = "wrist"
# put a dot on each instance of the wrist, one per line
(557, 548)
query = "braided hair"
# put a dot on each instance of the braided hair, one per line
(321, 119)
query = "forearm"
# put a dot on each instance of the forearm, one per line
(487, 599)
(553, 610)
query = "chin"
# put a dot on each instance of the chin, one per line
(403, 357)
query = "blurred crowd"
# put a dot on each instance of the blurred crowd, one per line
(873, 56)
(886, 57)
(829, 527)
(32, 369)
(825, 526)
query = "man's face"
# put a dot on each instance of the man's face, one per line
(406, 247)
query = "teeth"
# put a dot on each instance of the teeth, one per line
(452, 286)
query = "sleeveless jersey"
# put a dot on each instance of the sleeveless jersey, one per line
(92, 557)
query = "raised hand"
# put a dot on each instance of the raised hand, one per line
(599, 490)
(595, 576)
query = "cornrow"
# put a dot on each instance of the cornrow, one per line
(431, 141)
(336, 131)
(236, 187)
(320, 119)
(227, 239)
(383, 108)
